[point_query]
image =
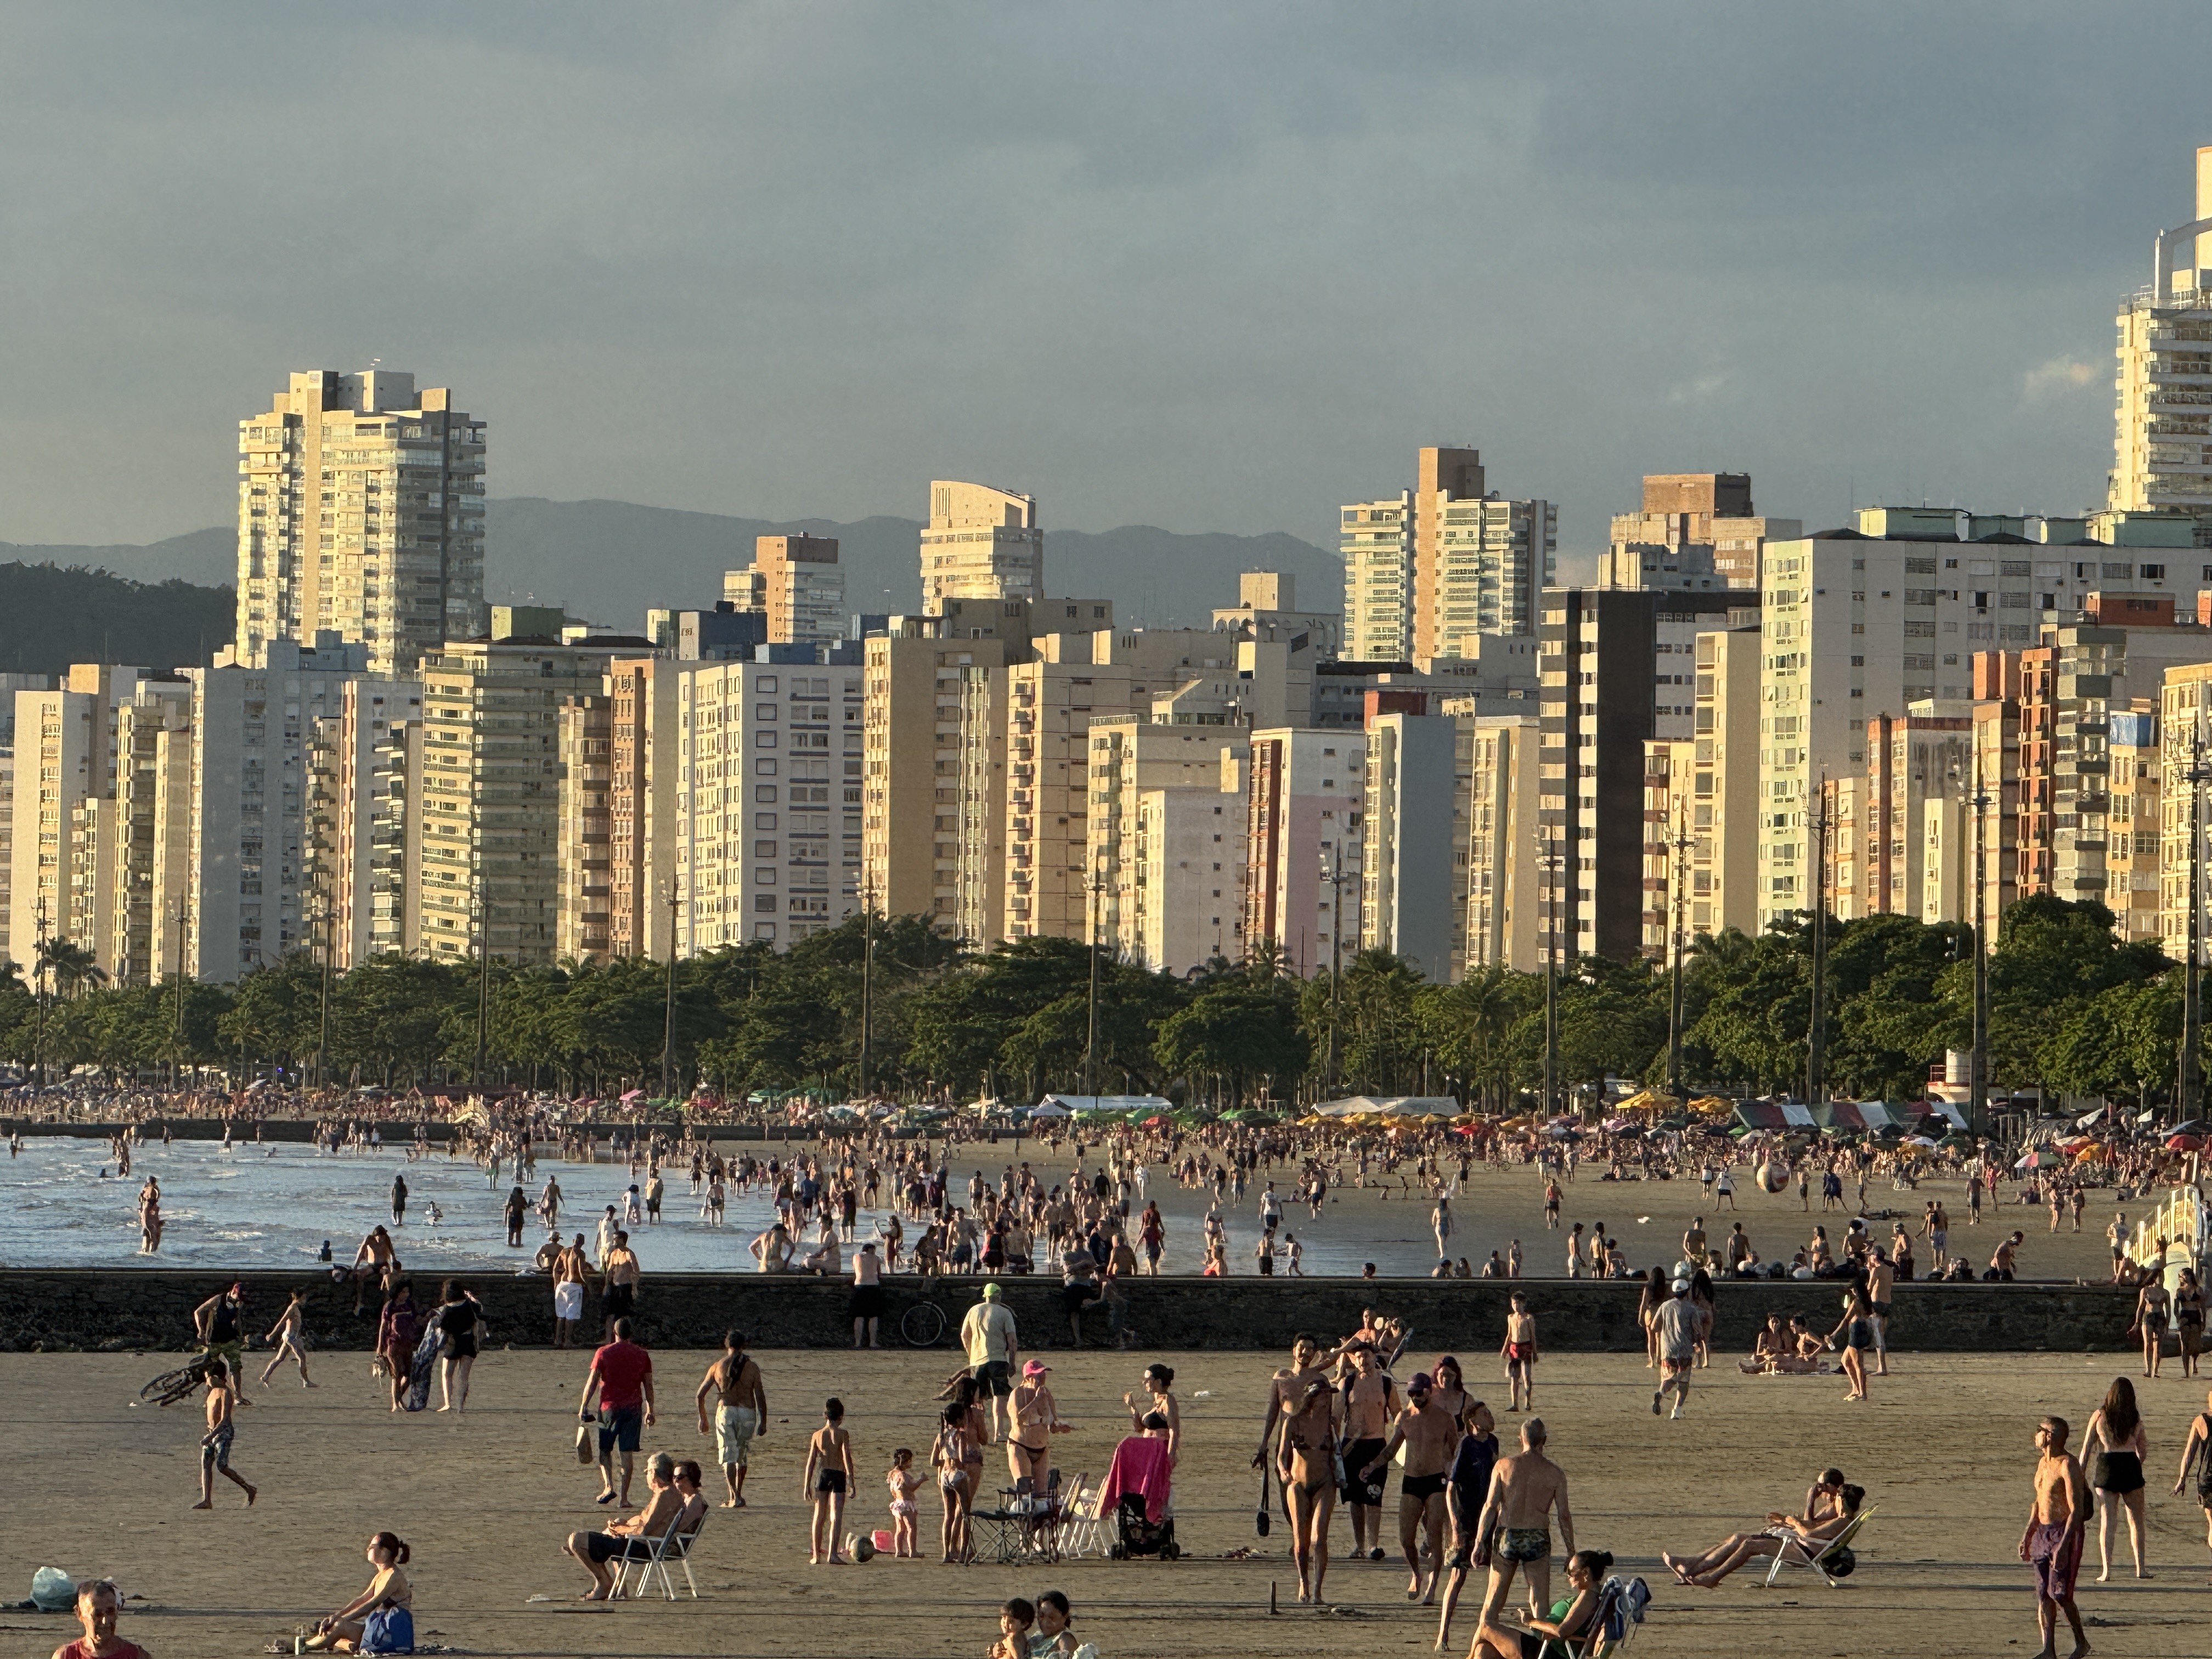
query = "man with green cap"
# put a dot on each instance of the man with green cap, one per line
(987, 1333)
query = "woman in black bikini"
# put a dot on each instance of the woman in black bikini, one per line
(2188, 1319)
(2116, 1440)
(457, 1317)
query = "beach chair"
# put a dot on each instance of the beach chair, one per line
(1085, 1529)
(1006, 1541)
(1620, 1604)
(673, 1545)
(1066, 1515)
(1824, 1560)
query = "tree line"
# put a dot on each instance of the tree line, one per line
(2074, 1008)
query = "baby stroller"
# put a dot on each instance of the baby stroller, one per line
(1137, 1491)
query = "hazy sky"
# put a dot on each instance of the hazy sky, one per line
(1209, 266)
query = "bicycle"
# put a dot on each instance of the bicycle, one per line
(922, 1325)
(170, 1387)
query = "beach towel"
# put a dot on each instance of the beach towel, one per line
(1140, 1465)
(419, 1369)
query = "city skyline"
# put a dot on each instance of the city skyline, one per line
(1163, 315)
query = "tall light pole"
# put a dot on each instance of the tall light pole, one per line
(1977, 1072)
(483, 979)
(42, 975)
(1332, 873)
(2188, 1090)
(1554, 863)
(323, 1036)
(177, 1014)
(1097, 913)
(1815, 1035)
(1682, 844)
(867, 971)
(668, 1010)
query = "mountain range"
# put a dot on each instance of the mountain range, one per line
(607, 561)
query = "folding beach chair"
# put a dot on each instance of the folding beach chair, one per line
(673, 1545)
(1085, 1530)
(1067, 1516)
(1828, 1557)
(1620, 1604)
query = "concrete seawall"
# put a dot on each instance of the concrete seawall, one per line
(150, 1308)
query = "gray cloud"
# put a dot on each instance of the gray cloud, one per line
(1215, 267)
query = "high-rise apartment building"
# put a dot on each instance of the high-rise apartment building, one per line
(144, 845)
(765, 829)
(582, 847)
(1267, 611)
(2162, 438)
(979, 544)
(364, 832)
(9, 685)
(361, 513)
(1166, 842)
(1412, 893)
(797, 582)
(491, 787)
(1503, 903)
(1919, 779)
(2134, 847)
(64, 757)
(1693, 529)
(645, 736)
(1426, 571)
(1304, 800)
(1617, 669)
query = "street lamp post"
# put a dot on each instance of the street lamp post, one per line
(484, 982)
(1977, 1072)
(668, 1010)
(322, 1035)
(1682, 845)
(1090, 1043)
(1815, 1035)
(1553, 864)
(2196, 773)
(1332, 873)
(867, 972)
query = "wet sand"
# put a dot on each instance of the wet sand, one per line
(485, 1500)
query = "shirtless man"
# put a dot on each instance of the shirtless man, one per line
(1881, 1276)
(1427, 1432)
(571, 1269)
(2058, 1522)
(740, 1412)
(618, 1296)
(1304, 1401)
(1523, 1491)
(1370, 1401)
(1520, 1353)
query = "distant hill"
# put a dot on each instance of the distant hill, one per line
(52, 615)
(608, 561)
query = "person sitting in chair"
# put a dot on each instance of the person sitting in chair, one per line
(1716, 1563)
(1586, 1571)
(626, 1540)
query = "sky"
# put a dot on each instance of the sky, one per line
(1213, 267)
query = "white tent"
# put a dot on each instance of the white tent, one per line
(1050, 1108)
(1419, 1106)
(1351, 1106)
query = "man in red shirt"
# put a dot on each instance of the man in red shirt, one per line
(623, 1373)
(98, 1602)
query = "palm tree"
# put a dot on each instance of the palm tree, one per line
(72, 966)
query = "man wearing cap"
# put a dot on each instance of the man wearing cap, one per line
(987, 1333)
(216, 1322)
(1678, 1326)
(1426, 1429)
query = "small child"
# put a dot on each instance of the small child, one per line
(1015, 1620)
(904, 1482)
(215, 1444)
(826, 1480)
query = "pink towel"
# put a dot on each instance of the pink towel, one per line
(1139, 1465)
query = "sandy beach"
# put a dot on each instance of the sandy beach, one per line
(485, 1500)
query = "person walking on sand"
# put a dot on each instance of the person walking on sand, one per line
(2058, 1522)
(622, 1372)
(740, 1412)
(1426, 1429)
(2117, 1446)
(1520, 1355)
(1678, 1326)
(1303, 1399)
(987, 1335)
(289, 1333)
(215, 1444)
(827, 1481)
(1525, 1489)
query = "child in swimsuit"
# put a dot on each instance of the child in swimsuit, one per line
(904, 1482)
(826, 1479)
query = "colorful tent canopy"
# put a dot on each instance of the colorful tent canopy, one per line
(1772, 1114)
(1854, 1116)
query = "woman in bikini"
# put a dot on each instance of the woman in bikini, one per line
(2153, 1304)
(1854, 1333)
(2115, 1446)
(2197, 1449)
(825, 1481)
(289, 1333)
(2188, 1319)
(957, 1461)
(1160, 1397)
(1037, 1420)
(340, 1630)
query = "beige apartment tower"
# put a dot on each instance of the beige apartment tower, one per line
(359, 512)
(2162, 441)
(798, 581)
(979, 544)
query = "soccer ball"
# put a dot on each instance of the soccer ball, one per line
(860, 1547)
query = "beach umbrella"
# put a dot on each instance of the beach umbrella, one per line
(2178, 1143)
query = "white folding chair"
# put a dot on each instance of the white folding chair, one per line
(1793, 1552)
(674, 1545)
(1084, 1533)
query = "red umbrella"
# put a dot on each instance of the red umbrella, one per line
(2184, 1143)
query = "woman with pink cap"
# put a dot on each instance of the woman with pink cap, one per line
(1037, 1420)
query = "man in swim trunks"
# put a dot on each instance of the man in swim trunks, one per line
(571, 1269)
(1370, 1401)
(740, 1412)
(1303, 1399)
(1679, 1326)
(1523, 1491)
(1520, 1352)
(624, 1275)
(1426, 1431)
(2058, 1522)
